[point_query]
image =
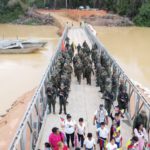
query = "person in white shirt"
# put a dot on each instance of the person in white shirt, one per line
(69, 126)
(111, 145)
(100, 116)
(103, 135)
(81, 131)
(89, 143)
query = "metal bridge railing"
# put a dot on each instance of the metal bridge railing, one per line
(30, 127)
(137, 100)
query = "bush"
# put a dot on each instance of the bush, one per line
(143, 18)
(10, 14)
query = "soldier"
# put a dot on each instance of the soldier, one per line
(67, 40)
(108, 97)
(88, 73)
(122, 86)
(51, 97)
(79, 48)
(55, 79)
(98, 72)
(103, 58)
(62, 99)
(123, 100)
(67, 68)
(115, 84)
(86, 48)
(108, 67)
(86, 60)
(102, 80)
(76, 58)
(94, 52)
(79, 68)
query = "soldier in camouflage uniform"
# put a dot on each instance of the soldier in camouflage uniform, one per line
(86, 61)
(79, 70)
(67, 40)
(86, 48)
(62, 99)
(102, 79)
(98, 73)
(51, 93)
(108, 67)
(94, 53)
(79, 48)
(115, 84)
(76, 58)
(108, 97)
(88, 73)
(122, 86)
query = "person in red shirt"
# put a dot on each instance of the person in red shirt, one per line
(55, 137)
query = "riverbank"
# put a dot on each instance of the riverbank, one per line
(108, 20)
(93, 17)
(10, 121)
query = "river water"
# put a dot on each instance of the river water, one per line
(20, 73)
(130, 46)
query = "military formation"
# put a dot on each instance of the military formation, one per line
(107, 78)
(82, 63)
(59, 83)
(85, 62)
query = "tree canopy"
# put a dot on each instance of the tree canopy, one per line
(137, 10)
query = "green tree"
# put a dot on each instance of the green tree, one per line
(143, 18)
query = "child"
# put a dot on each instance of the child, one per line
(81, 131)
(103, 136)
(133, 143)
(89, 143)
(115, 124)
(47, 146)
(111, 145)
(118, 139)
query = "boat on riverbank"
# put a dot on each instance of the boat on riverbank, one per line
(20, 47)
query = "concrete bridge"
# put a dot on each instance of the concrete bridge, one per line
(83, 101)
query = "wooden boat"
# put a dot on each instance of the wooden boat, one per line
(20, 47)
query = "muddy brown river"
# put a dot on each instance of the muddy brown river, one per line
(130, 46)
(21, 73)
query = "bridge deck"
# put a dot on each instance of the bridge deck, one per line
(83, 101)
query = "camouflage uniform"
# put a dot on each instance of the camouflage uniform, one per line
(93, 55)
(86, 61)
(115, 84)
(88, 73)
(62, 99)
(98, 73)
(86, 48)
(108, 97)
(76, 58)
(102, 80)
(108, 67)
(51, 93)
(79, 68)
(79, 48)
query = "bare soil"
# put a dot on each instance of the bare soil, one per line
(10, 121)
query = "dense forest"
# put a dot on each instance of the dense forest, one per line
(136, 10)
